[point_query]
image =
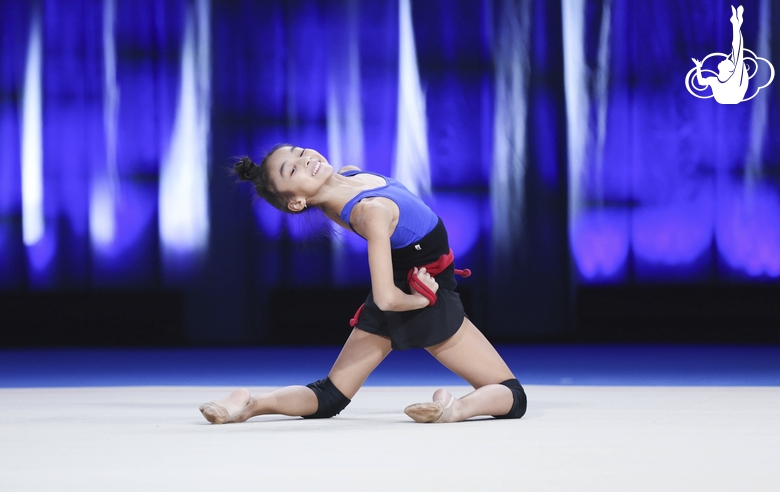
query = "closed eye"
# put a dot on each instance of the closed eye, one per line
(302, 151)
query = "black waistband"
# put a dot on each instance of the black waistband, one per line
(426, 250)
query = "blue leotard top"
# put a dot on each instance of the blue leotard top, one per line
(415, 219)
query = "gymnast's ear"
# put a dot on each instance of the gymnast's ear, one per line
(297, 204)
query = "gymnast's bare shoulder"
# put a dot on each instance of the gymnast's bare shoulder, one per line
(348, 168)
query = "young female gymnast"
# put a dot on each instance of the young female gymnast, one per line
(406, 308)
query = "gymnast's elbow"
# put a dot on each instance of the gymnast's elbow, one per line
(397, 300)
(384, 302)
(390, 299)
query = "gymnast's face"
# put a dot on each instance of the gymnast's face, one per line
(298, 172)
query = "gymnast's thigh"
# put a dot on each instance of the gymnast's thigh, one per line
(471, 356)
(360, 355)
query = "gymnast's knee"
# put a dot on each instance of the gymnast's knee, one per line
(330, 400)
(519, 400)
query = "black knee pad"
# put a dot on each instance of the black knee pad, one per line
(331, 400)
(519, 400)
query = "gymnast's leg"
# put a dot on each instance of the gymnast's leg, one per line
(469, 355)
(360, 355)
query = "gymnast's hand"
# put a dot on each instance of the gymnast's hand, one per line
(426, 279)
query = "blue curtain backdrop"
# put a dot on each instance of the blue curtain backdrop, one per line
(664, 185)
(557, 140)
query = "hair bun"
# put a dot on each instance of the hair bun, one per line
(244, 168)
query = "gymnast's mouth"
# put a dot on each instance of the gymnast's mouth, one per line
(316, 168)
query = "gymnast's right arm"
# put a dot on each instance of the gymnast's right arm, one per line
(372, 221)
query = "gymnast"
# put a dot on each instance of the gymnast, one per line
(731, 84)
(411, 304)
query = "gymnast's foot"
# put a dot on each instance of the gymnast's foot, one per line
(222, 411)
(441, 409)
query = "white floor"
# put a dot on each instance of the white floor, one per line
(573, 438)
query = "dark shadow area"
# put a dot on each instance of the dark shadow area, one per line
(679, 314)
(657, 314)
(126, 318)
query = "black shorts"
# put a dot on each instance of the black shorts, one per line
(421, 327)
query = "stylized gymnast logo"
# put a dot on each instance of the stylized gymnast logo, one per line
(730, 84)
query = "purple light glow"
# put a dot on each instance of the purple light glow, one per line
(599, 243)
(268, 219)
(673, 234)
(129, 258)
(307, 225)
(40, 257)
(355, 243)
(748, 228)
(136, 210)
(461, 214)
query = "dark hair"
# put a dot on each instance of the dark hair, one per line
(261, 178)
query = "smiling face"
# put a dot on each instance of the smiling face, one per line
(298, 173)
